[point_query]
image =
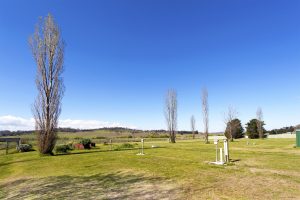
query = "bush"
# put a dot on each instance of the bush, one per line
(78, 146)
(25, 147)
(63, 148)
(99, 137)
(124, 146)
(86, 143)
(156, 135)
(70, 144)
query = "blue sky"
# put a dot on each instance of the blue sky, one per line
(122, 56)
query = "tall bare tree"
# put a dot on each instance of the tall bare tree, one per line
(48, 51)
(259, 122)
(228, 120)
(205, 113)
(171, 114)
(193, 128)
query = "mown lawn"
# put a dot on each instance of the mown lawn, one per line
(268, 169)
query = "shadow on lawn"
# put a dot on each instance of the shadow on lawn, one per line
(119, 185)
(97, 151)
(18, 161)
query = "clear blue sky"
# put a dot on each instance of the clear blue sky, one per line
(122, 56)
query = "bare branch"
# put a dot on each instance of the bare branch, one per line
(171, 114)
(205, 113)
(193, 122)
(48, 51)
(259, 122)
(228, 118)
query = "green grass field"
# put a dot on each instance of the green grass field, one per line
(268, 169)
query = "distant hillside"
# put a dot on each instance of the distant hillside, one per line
(113, 129)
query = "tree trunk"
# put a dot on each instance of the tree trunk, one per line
(172, 137)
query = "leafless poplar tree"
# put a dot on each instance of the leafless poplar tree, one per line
(205, 112)
(48, 51)
(259, 122)
(193, 121)
(228, 117)
(171, 114)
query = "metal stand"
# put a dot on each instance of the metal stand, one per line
(223, 158)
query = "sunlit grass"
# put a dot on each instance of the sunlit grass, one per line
(269, 168)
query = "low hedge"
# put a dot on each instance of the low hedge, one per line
(63, 148)
(24, 147)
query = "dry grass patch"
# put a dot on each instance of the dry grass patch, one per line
(118, 185)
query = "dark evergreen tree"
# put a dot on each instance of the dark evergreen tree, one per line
(251, 129)
(237, 129)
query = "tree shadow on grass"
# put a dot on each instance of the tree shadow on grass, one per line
(234, 160)
(17, 161)
(115, 186)
(98, 151)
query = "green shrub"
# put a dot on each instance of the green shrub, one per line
(25, 147)
(125, 136)
(157, 135)
(70, 144)
(99, 137)
(124, 146)
(63, 148)
(86, 143)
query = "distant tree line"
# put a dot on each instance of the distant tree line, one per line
(14, 133)
(282, 130)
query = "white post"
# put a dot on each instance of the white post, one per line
(141, 150)
(216, 143)
(142, 146)
(217, 152)
(221, 155)
(226, 150)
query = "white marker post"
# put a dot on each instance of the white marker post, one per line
(141, 150)
(216, 143)
(226, 151)
(221, 156)
(110, 141)
(142, 146)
